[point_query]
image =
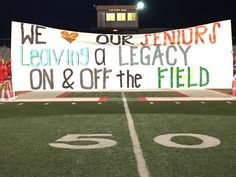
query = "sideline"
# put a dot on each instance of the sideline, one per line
(141, 163)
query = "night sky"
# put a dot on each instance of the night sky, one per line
(80, 15)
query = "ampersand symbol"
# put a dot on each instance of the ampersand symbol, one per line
(66, 83)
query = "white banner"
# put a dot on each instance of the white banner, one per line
(51, 59)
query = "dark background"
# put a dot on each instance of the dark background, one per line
(80, 15)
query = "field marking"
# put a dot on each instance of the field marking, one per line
(207, 141)
(100, 142)
(154, 99)
(69, 99)
(141, 163)
(64, 99)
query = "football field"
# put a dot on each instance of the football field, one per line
(121, 135)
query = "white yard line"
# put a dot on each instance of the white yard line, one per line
(153, 99)
(47, 100)
(141, 163)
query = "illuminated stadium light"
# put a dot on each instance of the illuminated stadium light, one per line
(140, 5)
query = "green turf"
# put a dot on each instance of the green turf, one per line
(26, 130)
(128, 94)
(93, 94)
(38, 109)
(172, 162)
(153, 94)
(186, 107)
(24, 149)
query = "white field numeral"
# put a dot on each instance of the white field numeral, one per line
(69, 138)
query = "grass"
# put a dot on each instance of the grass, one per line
(38, 109)
(27, 130)
(129, 94)
(192, 107)
(24, 148)
(93, 94)
(173, 162)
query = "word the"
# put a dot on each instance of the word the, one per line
(131, 80)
